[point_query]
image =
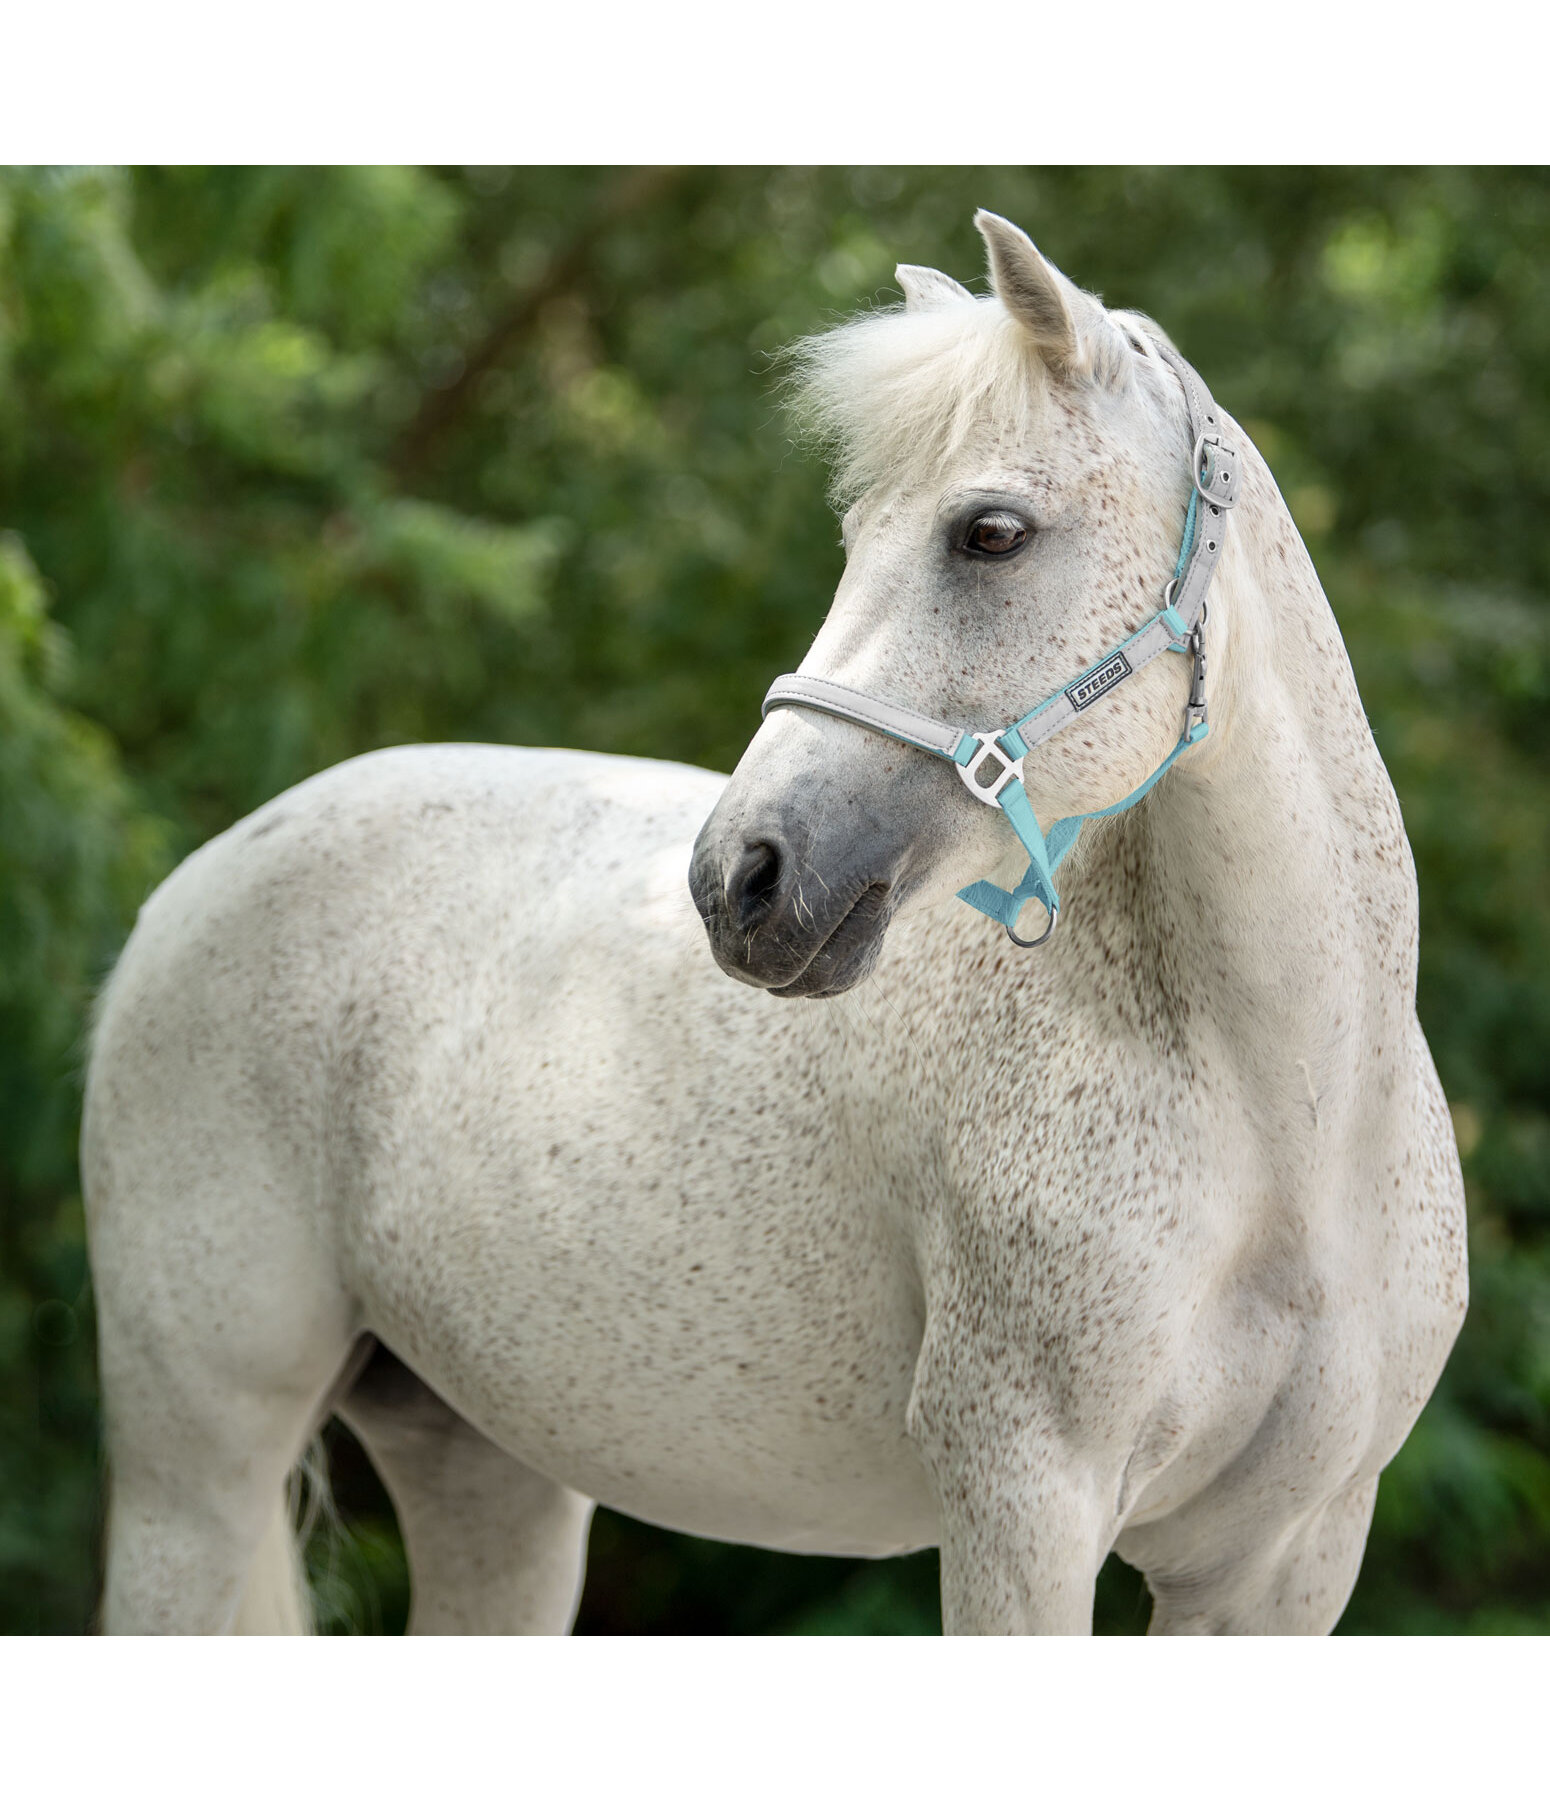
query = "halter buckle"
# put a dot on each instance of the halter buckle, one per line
(1010, 770)
(1211, 442)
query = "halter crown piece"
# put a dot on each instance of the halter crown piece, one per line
(991, 762)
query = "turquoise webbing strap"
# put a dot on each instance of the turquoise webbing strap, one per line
(1046, 853)
(1189, 535)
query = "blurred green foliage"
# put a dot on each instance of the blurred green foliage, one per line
(296, 463)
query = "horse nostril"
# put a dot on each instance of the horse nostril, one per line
(752, 883)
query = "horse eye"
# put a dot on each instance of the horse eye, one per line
(996, 534)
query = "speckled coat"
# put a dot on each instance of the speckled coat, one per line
(420, 1097)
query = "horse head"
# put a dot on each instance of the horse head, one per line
(1014, 473)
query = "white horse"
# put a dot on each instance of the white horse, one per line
(418, 1098)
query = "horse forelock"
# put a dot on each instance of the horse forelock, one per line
(890, 397)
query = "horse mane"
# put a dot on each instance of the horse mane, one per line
(892, 395)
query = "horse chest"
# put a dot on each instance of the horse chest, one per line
(1115, 1245)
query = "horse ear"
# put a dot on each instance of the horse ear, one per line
(926, 289)
(1068, 326)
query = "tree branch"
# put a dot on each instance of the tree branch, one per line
(442, 407)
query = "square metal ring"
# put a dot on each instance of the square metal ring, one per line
(1011, 769)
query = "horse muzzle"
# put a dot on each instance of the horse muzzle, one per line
(780, 917)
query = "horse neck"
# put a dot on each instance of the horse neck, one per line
(1262, 897)
(1271, 872)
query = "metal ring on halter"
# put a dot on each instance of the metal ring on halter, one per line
(1044, 937)
(1205, 605)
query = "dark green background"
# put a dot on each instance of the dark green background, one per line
(295, 463)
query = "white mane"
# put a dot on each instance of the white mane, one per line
(892, 395)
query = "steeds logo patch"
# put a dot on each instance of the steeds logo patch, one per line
(1084, 692)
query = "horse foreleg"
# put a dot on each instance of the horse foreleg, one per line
(1020, 1554)
(493, 1546)
(1023, 1528)
(1298, 1585)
